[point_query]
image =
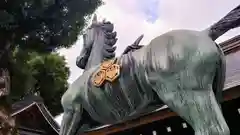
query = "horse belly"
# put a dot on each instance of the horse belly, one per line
(109, 106)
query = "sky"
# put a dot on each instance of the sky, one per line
(131, 18)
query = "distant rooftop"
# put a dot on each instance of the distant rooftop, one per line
(31, 101)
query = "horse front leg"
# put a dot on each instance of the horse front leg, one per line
(72, 114)
(70, 122)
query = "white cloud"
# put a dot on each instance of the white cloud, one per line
(131, 20)
(70, 55)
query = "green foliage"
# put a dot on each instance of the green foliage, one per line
(45, 74)
(34, 29)
(44, 25)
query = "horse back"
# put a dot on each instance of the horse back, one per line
(179, 57)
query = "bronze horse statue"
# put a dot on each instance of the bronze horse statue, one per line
(182, 69)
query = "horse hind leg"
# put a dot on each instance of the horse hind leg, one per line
(192, 97)
(199, 108)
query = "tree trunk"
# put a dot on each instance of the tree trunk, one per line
(7, 123)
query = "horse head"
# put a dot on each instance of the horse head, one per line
(98, 44)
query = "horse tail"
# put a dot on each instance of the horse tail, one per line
(219, 78)
(230, 21)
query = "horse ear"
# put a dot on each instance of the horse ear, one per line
(94, 20)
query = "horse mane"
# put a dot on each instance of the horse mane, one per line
(109, 48)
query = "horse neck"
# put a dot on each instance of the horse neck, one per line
(96, 55)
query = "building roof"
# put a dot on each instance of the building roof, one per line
(231, 45)
(35, 101)
(231, 49)
(28, 101)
